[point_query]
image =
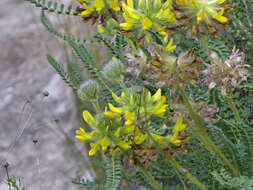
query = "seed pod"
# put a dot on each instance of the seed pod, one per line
(88, 91)
(113, 70)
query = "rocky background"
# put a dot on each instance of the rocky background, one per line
(35, 128)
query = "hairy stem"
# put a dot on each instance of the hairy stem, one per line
(232, 105)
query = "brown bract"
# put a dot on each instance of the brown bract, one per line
(186, 21)
(226, 74)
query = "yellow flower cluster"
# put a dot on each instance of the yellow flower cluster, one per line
(105, 135)
(148, 14)
(144, 19)
(175, 139)
(97, 6)
(121, 128)
(205, 8)
(134, 104)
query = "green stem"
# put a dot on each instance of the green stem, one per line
(231, 126)
(232, 105)
(96, 106)
(155, 184)
(199, 124)
(130, 42)
(122, 84)
(187, 173)
(230, 150)
(180, 178)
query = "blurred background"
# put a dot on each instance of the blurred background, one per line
(37, 110)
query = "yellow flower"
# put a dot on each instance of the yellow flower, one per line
(179, 125)
(111, 114)
(116, 98)
(158, 138)
(154, 105)
(115, 109)
(174, 140)
(204, 8)
(140, 138)
(129, 130)
(170, 48)
(148, 97)
(114, 5)
(200, 16)
(104, 143)
(115, 151)
(218, 16)
(126, 26)
(146, 23)
(117, 133)
(124, 144)
(129, 117)
(101, 29)
(88, 10)
(88, 118)
(97, 6)
(148, 15)
(94, 149)
(157, 96)
(160, 108)
(82, 136)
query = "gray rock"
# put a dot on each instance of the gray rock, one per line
(26, 115)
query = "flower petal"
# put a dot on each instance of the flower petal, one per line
(88, 118)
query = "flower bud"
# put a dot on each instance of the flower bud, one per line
(88, 90)
(113, 70)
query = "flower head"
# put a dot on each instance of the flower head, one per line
(202, 11)
(92, 9)
(88, 91)
(104, 135)
(113, 70)
(226, 74)
(129, 126)
(134, 104)
(148, 15)
(179, 127)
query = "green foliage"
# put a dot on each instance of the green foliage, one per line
(202, 46)
(218, 45)
(86, 59)
(71, 81)
(199, 47)
(136, 176)
(116, 45)
(240, 33)
(12, 182)
(233, 138)
(228, 182)
(249, 85)
(54, 7)
(49, 26)
(113, 173)
(113, 176)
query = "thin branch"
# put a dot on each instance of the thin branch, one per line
(247, 13)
